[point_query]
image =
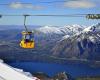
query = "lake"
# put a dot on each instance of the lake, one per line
(75, 70)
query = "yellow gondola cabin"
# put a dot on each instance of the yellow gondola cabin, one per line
(27, 41)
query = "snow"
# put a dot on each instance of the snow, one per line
(65, 37)
(87, 29)
(26, 73)
(98, 35)
(50, 29)
(72, 29)
(1, 61)
(65, 31)
(91, 38)
(94, 27)
(9, 73)
(68, 29)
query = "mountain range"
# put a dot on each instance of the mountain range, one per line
(84, 45)
(70, 41)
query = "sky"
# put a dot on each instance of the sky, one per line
(57, 7)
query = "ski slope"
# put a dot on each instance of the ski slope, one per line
(9, 73)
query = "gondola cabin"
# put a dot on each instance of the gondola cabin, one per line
(93, 16)
(27, 41)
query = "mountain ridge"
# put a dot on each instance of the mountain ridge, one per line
(84, 45)
(78, 45)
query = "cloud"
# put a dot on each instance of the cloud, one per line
(19, 5)
(79, 4)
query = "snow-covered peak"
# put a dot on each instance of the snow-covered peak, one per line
(49, 29)
(67, 30)
(92, 38)
(87, 29)
(65, 37)
(94, 27)
(74, 26)
(72, 29)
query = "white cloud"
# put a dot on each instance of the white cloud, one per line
(35, 7)
(79, 4)
(18, 5)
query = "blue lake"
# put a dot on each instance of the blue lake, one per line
(51, 69)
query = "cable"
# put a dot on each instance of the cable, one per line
(47, 15)
(89, 16)
(25, 23)
(0, 16)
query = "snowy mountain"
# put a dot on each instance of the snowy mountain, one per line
(92, 28)
(65, 37)
(56, 33)
(49, 29)
(68, 29)
(84, 45)
(67, 41)
(72, 29)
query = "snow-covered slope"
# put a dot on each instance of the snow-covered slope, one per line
(9, 73)
(94, 30)
(68, 29)
(65, 37)
(56, 33)
(94, 27)
(72, 29)
(50, 29)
